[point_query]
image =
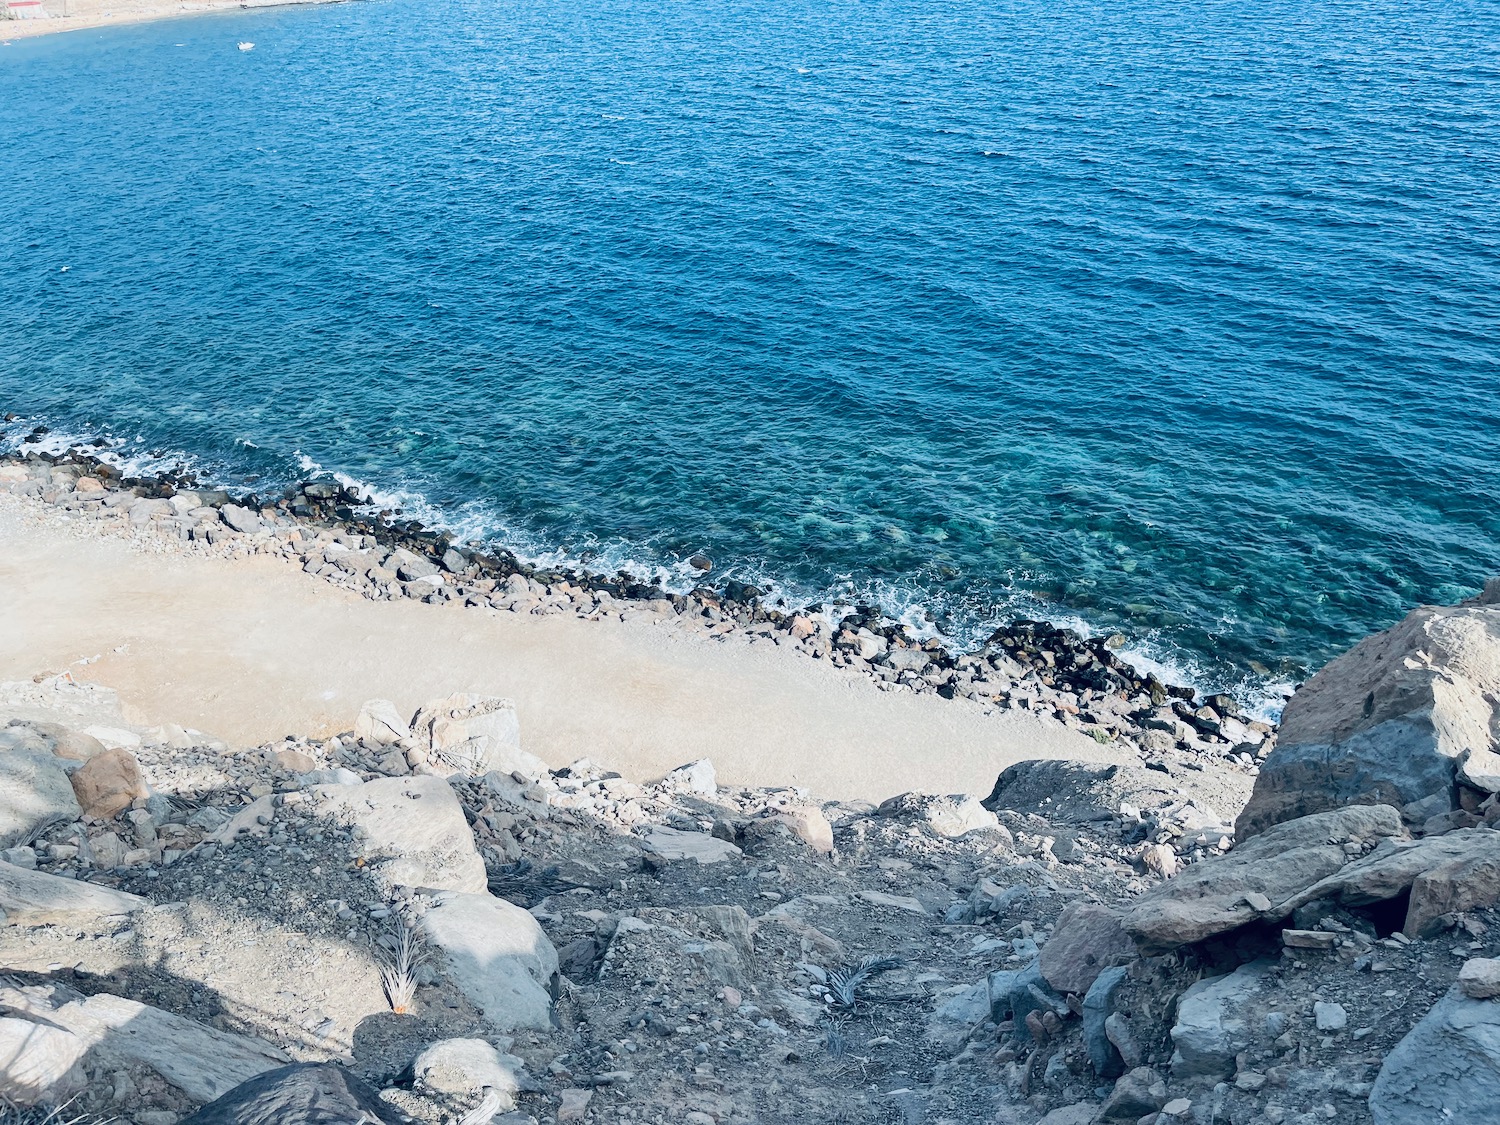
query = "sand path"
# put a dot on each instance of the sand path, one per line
(253, 649)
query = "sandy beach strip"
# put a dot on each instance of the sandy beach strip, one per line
(80, 15)
(250, 649)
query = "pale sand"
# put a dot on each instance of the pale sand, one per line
(83, 14)
(253, 649)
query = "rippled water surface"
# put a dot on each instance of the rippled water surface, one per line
(1176, 319)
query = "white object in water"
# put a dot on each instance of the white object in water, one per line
(247, 46)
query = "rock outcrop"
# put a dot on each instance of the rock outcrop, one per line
(1446, 1069)
(1397, 720)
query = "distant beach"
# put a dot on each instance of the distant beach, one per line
(79, 15)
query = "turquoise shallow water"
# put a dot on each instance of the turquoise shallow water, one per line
(1178, 320)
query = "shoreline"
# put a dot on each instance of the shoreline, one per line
(607, 668)
(139, 11)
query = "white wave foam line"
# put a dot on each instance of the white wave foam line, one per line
(911, 605)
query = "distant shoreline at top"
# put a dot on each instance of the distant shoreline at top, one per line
(82, 15)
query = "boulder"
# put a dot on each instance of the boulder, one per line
(49, 738)
(1226, 892)
(412, 829)
(1078, 792)
(1447, 1068)
(31, 898)
(302, 1094)
(695, 777)
(1389, 721)
(39, 1064)
(1456, 871)
(460, 1067)
(808, 824)
(113, 1032)
(1015, 994)
(474, 735)
(34, 793)
(1087, 939)
(241, 519)
(380, 723)
(1135, 1095)
(1469, 881)
(951, 816)
(672, 844)
(109, 783)
(1213, 1022)
(1479, 979)
(497, 956)
(1098, 1006)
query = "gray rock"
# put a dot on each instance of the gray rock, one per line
(113, 1032)
(380, 724)
(31, 898)
(1330, 1016)
(412, 568)
(695, 777)
(1209, 898)
(1135, 1094)
(39, 1064)
(474, 735)
(497, 956)
(1077, 792)
(1389, 721)
(240, 519)
(1447, 1068)
(1098, 1006)
(1029, 992)
(1213, 1022)
(34, 793)
(458, 1067)
(1087, 939)
(303, 1094)
(671, 844)
(454, 561)
(1479, 979)
(414, 831)
(1466, 882)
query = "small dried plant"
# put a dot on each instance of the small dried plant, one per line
(11, 1114)
(844, 983)
(484, 1112)
(399, 974)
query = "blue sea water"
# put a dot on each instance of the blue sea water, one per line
(1173, 319)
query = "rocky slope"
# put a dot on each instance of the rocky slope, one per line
(418, 920)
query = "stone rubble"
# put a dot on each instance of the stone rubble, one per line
(1085, 944)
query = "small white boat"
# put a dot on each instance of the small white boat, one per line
(247, 46)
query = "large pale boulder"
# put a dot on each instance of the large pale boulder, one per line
(115, 1033)
(34, 793)
(459, 1067)
(412, 830)
(1468, 881)
(1391, 721)
(380, 723)
(32, 898)
(1446, 1069)
(497, 955)
(474, 735)
(38, 1063)
(1258, 880)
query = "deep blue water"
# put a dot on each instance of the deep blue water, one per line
(1176, 319)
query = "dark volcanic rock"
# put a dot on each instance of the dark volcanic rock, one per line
(303, 1094)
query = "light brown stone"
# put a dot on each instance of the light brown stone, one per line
(107, 783)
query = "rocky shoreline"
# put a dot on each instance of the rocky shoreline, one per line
(418, 920)
(332, 533)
